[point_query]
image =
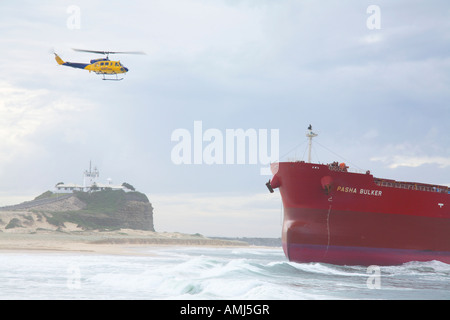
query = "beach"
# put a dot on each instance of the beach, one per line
(107, 242)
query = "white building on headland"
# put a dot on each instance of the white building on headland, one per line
(90, 183)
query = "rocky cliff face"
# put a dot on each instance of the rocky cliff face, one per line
(109, 209)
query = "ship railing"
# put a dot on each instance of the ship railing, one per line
(411, 186)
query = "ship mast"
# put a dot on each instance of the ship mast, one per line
(310, 134)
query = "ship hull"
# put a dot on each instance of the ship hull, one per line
(351, 255)
(345, 218)
(363, 238)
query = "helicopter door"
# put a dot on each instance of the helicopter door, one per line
(104, 66)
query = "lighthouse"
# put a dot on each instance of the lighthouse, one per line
(90, 183)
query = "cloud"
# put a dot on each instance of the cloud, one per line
(396, 161)
(30, 119)
(250, 215)
(232, 64)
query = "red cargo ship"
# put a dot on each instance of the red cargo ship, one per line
(335, 216)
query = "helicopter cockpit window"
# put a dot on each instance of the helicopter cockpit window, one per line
(117, 64)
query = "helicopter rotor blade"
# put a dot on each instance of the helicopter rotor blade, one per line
(109, 52)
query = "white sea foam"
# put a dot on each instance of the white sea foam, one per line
(209, 273)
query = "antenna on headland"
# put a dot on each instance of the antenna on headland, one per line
(310, 134)
(90, 177)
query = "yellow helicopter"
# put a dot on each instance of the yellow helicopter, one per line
(102, 66)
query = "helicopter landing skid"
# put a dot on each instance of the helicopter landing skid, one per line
(112, 79)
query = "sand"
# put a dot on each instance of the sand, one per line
(106, 242)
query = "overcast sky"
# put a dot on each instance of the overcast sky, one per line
(372, 77)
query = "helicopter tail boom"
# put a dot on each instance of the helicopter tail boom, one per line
(70, 64)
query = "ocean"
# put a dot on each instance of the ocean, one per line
(209, 273)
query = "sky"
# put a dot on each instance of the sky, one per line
(371, 77)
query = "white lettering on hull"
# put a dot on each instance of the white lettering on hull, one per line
(367, 192)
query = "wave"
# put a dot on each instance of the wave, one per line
(213, 273)
(244, 274)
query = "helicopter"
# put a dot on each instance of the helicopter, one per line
(102, 66)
